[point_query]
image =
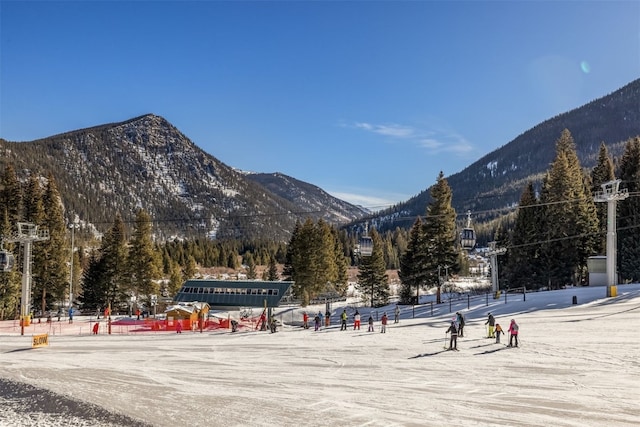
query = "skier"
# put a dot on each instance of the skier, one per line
(96, 326)
(396, 313)
(498, 331)
(316, 321)
(453, 341)
(384, 320)
(370, 324)
(343, 319)
(305, 320)
(491, 322)
(327, 319)
(513, 330)
(356, 320)
(460, 319)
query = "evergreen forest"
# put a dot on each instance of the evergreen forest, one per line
(549, 236)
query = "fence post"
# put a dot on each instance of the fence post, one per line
(487, 295)
(431, 304)
(468, 301)
(524, 293)
(505, 295)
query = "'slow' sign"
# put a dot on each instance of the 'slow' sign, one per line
(40, 340)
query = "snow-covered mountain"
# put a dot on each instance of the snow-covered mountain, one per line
(147, 163)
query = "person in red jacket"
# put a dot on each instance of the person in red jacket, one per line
(513, 331)
(305, 320)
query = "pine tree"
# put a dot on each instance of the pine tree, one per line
(373, 281)
(272, 271)
(629, 214)
(144, 264)
(312, 261)
(34, 214)
(176, 279)
(252, 274)
(569, 218)
(10, 211)
(10, 197)
(412, 271)
(95, 284)
(440, 232)
(522, 267)
(57, 248)
(114, 256)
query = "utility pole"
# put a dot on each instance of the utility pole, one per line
(73, 227)
(27, 234)
(610, 194)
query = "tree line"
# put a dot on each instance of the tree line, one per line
(549, 237)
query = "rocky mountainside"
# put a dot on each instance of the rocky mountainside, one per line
(147, 163)
(308, 197)
(496, 181)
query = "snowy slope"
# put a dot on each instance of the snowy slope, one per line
(577, 366)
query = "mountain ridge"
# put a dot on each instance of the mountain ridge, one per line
(146, 162)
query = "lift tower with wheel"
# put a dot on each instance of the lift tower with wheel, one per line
(27, 234)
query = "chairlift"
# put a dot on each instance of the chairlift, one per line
(468, 235)
(366, 246)
(7, 261)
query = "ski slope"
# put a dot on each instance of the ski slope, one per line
(577, 365)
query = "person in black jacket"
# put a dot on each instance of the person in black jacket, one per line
(453, 341)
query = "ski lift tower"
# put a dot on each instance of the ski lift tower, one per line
(26, 235)
(493, 258)
(611, 194)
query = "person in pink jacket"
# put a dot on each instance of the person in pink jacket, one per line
(513, 331)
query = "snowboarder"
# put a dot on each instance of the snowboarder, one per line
(513, 331)
(498, 331)
(356, 320)
(491, 322)
(343, 319)
(370, 324)
(453, 341)
(384, 320)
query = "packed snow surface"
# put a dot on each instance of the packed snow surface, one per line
(577, 365)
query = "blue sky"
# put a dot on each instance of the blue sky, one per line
(367, 100)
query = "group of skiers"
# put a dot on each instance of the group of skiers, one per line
(494, 330)
(319, 318)
(455, 330)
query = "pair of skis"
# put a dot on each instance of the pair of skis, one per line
(446, 334)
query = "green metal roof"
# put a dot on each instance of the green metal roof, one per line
(233, 293)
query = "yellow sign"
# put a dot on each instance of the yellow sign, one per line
(40, 340)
